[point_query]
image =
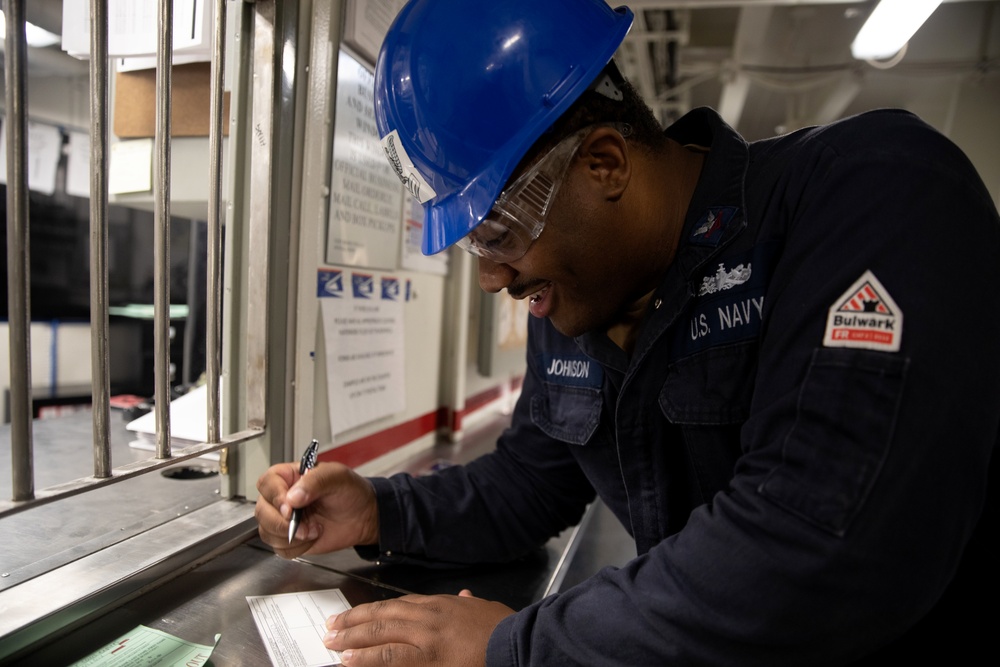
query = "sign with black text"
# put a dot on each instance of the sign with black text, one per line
(363, 326)
(366, 197)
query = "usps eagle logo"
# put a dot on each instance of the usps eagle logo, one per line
(330, 283)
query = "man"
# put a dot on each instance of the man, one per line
(792, 367)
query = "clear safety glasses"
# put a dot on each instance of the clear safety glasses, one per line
(519, 213)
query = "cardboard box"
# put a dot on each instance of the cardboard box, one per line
(190, 103)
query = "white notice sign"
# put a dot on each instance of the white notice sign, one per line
(42, 163)
(363, 324)
(78, 165)
(366, 197)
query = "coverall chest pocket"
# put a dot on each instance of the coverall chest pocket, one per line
(708, 397)
(843, 427)
(569, 414)
(711, 388)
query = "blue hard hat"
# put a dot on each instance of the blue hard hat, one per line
(463, 88)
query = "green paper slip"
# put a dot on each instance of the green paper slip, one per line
(147, 647)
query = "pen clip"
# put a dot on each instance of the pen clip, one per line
(309, 456)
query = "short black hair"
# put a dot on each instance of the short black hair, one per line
(593, 107)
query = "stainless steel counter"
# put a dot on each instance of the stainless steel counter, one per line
(211, 598)
(42, 538)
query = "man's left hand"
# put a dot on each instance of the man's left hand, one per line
(440, 630)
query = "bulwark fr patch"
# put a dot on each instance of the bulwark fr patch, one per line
(866, 317)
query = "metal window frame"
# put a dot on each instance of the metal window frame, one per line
(251, 372)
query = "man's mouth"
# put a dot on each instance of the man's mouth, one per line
(522, 291)
(538, 303)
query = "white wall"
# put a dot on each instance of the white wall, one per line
(60, 354)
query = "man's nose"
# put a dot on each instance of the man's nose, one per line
(494, 276)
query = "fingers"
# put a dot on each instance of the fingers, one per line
(378, 634)
(273, 530)
(415, 630)
(340, 509)
(273, 510)
(375, 623)
(399, 608)
(383, 656)
(323, 479)
(274, 483)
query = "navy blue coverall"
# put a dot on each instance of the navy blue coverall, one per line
(800, 442)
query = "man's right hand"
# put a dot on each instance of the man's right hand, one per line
(339, 509)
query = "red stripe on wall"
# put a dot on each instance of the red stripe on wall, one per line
(370, 447)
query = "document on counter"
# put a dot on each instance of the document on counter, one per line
(146, 647)
(292, 626)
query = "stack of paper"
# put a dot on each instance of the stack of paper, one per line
(133, 31)
(188, 423)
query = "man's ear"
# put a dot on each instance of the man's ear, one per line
(605, 154)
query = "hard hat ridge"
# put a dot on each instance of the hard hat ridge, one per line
(463, 88)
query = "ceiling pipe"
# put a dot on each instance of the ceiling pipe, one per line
(749, 43)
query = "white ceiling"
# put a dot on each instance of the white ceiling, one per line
(768, 65)
(775, 65)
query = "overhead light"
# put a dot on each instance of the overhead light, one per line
(33, 35)
(890, 26)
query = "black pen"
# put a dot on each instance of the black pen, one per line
(308, 463)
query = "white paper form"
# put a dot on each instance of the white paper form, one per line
(44, 151)
(130, 166)
(292, 626)
(133, 28)
(78, 165)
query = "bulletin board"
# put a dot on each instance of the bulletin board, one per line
(366, 196)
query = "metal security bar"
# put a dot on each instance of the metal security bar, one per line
(24, 494)
(161, 228)
(100, 371)
(213, 300)
(18, 253)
